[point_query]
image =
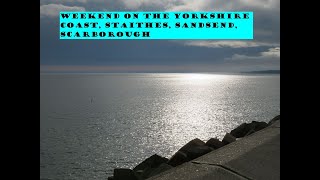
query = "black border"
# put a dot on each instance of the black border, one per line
(21, 85)
(298, 91)
(20, 82)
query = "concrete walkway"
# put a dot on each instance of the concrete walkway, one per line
(253, 157)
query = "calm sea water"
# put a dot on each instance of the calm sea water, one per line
(92, 123)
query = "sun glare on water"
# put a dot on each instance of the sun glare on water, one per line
(202, 77)
(197, 76)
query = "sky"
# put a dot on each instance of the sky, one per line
(261, 53)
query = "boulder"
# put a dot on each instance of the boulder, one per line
(245, 128)
(139, 172)
(241, 130)
(197, 151)
(152, 162)
(124, 174)
(110, 178)
(228, 138)
(154, 171)
(214, 143)
(191, 150)
(277, 118)
(259, 125)
(193, 143)
(178, 158)
(250, 132)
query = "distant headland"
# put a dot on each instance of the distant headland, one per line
(263, 72)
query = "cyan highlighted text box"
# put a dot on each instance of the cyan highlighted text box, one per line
(165, 25)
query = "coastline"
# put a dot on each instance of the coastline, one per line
(243, 141)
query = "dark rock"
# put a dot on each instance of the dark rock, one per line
(178, 158)
(110, 178)
(259, 125)
(277, 118)
(214, 143)
(197, 151)
(228, 138)
(190, 149)
(245, 128)
(256, 126)
(152, 162)
(193, 143)
(250, 132)
(124, 174)
(241, 130)
(154, 171)
(139, 172)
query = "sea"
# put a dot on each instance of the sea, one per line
(91, 123)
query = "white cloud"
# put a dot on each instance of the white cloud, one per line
(266, 60)
(231, 44)
(136, 4)
(266, 17)
(202, 5)
(53, 10)
(184, 5)
(133, 4)
(74, 1)
(273, 54)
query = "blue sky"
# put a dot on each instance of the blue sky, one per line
(262, 53)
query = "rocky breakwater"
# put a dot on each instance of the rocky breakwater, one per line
(193, 149)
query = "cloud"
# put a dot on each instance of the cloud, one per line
(202, 5)
(271, 54)
(229, 44)
(149, 4)
(266, 17)
(53, 10)
(193, 55)
(75, 1)
(269, 59)
(169, 5)
(134, 4)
